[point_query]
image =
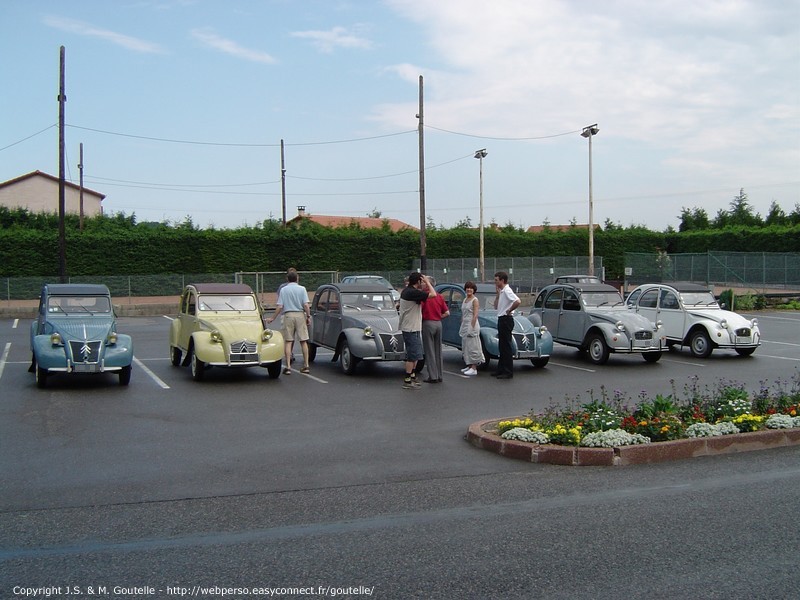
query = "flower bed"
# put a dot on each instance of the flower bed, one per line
(606, 430)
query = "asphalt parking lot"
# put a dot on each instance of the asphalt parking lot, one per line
(352, 484)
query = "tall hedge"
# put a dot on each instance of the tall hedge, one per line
(129, 249)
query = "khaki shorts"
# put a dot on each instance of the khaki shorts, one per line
(294, 325)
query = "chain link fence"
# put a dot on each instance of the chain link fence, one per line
(525, 274)
(755, 270)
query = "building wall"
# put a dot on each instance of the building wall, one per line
(40, 194)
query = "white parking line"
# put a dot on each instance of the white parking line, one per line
(684, 362)
(780, 357)
(782, 343)
(310, 376)
(4, 359)
(16, 322)
(152, 375)
(572, 367)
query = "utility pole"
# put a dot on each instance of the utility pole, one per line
(62, 237)
(80, 170)
(423, 259)
(283, 187)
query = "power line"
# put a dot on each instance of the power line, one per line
(29, 137)
(505, 139)
(238, 145)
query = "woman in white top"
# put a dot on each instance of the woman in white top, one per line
(470, 331)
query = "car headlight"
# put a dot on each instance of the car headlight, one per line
(620, 326)
(266, 335)
(216, 336)
(368, 331)
(754, 323)
(723, 324)
(55, 339)
(112, 338)
(543, 329)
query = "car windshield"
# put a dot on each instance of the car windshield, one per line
(601, 299)
(78, 304)
(227, 302)
(698, 299)
(487, 300)
(368, 301)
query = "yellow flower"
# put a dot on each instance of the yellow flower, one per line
(642, 423)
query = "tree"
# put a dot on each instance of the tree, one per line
(741, 213)
(693, 219)
(776, 216)
(465, 223)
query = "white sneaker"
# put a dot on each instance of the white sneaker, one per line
(465, 369)
(471, 372)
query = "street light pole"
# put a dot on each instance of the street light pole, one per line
(589, 132)
(480, 155)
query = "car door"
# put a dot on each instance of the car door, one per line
(671, 314)
(647, 304)
(571, 318)
(451, 326)
(551, 309)
(333, 319)
(187, 318)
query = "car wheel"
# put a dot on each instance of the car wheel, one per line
(596, 349)
(197, 367)
(312, 352)
(347, 361)
(274, 369)
(745, 351)
(699, 344)
(540, 362)
(125, 375)
(652, 357)
(175, 356)
(41, 376)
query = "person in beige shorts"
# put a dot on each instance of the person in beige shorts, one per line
(293, 303)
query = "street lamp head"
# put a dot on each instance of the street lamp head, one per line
(590, 130)
(481, 153)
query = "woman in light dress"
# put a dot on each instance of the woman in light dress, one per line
(470, 331)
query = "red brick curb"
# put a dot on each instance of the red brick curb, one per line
(479, 434)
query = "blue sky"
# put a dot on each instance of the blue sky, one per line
(181, 106)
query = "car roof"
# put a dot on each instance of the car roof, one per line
(579, 278)
(356, 288)
(681, 286)
(584, 287)
(222, 288)
(76, 289)
(363, 277)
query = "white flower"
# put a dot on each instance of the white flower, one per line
(613, 438)
(526, 435)
(710, 430)
(778, 421)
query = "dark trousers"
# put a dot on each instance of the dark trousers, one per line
(505, 325)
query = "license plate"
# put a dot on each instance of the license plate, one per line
(84, 368)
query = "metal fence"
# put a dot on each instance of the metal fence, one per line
(756, 270)
(525, 274)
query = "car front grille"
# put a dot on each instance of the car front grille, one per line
(526, 342)
(643, 335)
(244, 351)
(743, 332)
(392, 342)
(85, 352)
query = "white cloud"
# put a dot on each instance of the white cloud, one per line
(217, 42)
(337, 37)
(85, 29)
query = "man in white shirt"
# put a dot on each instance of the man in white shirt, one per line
(505, 303)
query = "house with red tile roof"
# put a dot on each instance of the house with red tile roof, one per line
(363, 222)
(38, 192)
